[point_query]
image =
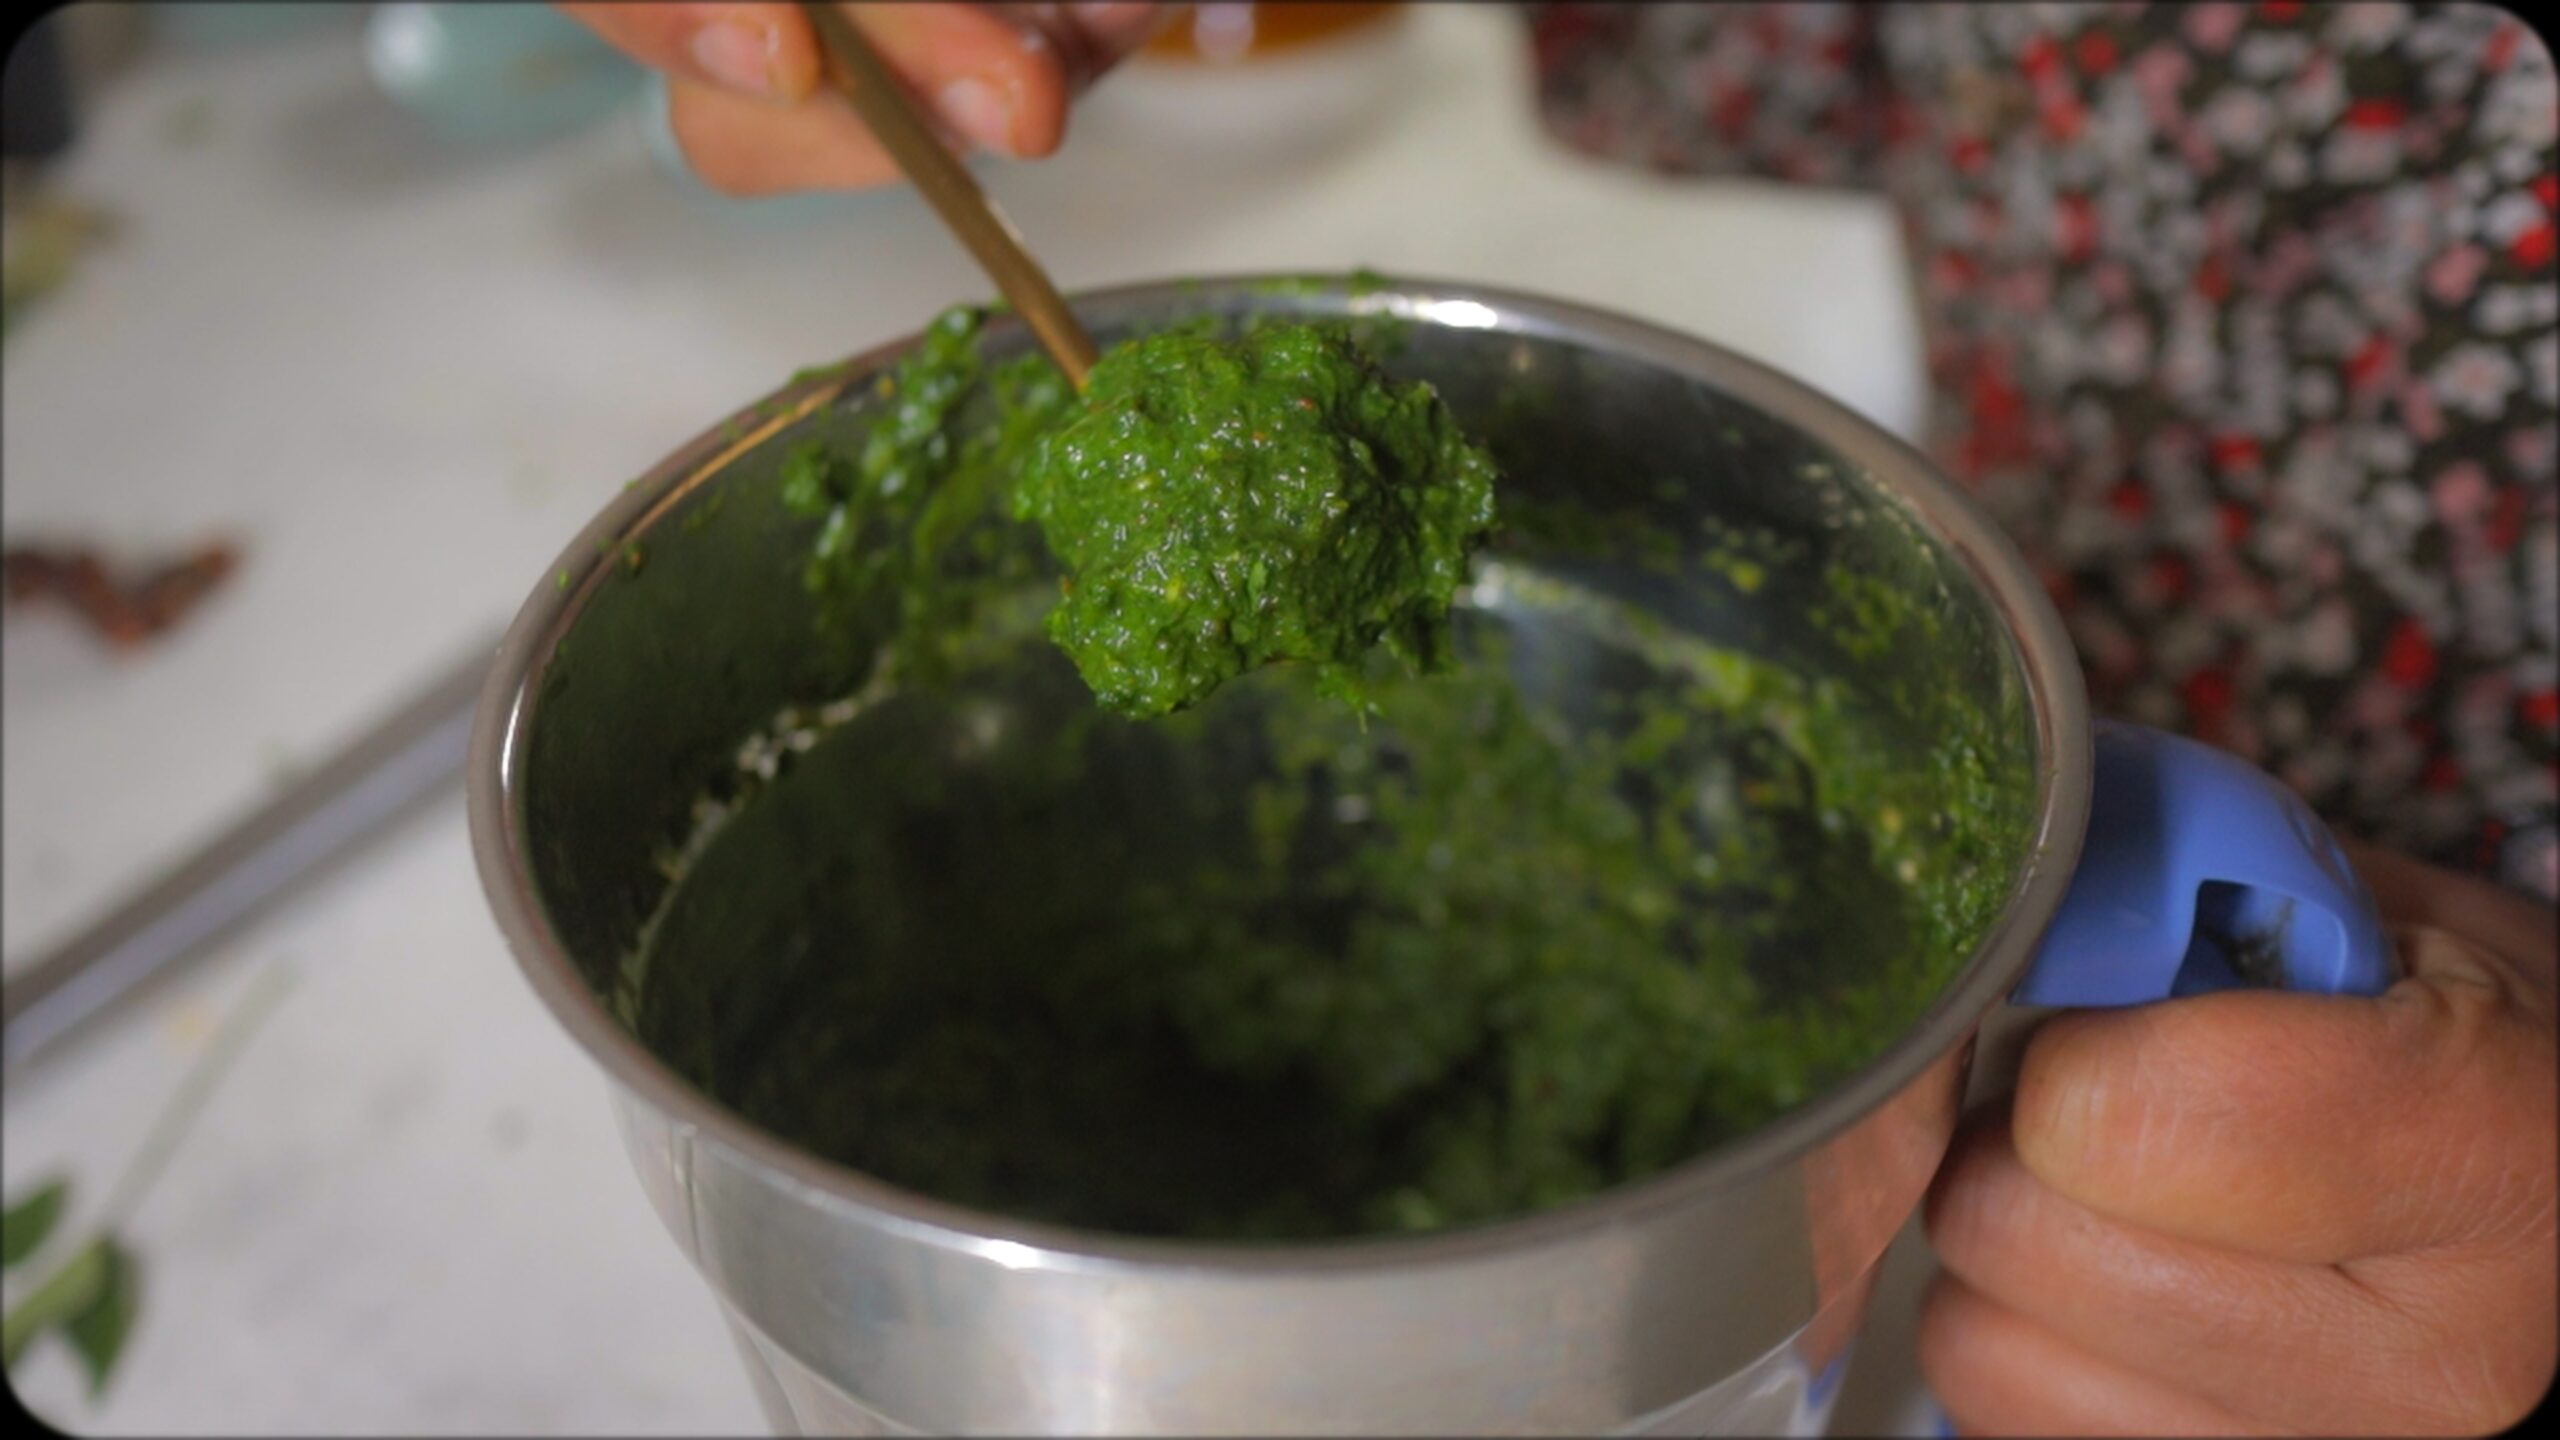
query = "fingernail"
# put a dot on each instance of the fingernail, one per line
(738, 56)
(976, 110)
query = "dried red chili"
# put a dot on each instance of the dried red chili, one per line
(124, 614)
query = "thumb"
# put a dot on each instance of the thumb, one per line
(2311, 1128)
(761, 50)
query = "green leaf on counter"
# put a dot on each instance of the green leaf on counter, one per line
(65, 1295)
(92, 1297)
(98, 1331)
(26, 1224)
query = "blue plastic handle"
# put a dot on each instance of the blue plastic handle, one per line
(2200, 873)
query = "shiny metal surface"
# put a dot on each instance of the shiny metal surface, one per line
(1709, 1298)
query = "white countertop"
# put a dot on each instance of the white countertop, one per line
(404, 375)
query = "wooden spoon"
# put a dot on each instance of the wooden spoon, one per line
(884, 105)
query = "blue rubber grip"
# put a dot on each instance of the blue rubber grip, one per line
(2201, 872)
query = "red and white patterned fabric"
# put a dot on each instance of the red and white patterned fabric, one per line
(2243, 319)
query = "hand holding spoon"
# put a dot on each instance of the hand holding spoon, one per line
(866, 83)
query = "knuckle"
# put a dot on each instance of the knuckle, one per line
(2066, 1108)
(2076, 1075)
(711, 151)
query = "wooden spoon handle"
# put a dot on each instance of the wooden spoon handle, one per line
(885, 107)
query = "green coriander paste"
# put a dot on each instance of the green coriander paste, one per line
(1219, 504)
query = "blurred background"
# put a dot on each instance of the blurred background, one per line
(327, 327)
